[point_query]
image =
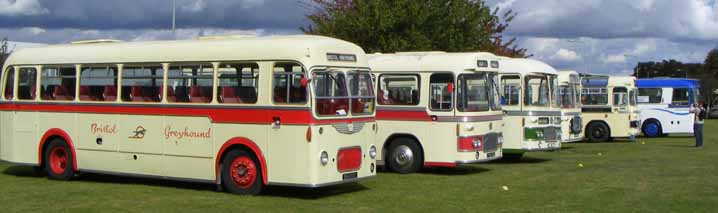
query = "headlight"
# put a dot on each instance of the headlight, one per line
(372, 152)
(477, 143)
(501, 139)
(533, 119)
(324, 158)
(557, 120)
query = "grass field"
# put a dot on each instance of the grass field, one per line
(662, 175)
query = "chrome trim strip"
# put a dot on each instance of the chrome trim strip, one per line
(570, 113)
(313, 185)
(572, 140)
(470, 118)
(480, 160)
(157, 104)
(532, 113)
(147, 176)
(542, 149)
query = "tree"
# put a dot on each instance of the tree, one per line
(414, 25)
(709, 76)
(667, 68)
(3, 51)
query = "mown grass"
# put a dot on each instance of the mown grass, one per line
(649, 175)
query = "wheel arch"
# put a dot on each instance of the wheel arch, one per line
(241, 143)
(393, 137)
(52, 134)
(586, 130)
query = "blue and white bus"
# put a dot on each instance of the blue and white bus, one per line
(664, 105)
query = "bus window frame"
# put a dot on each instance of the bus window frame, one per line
(120, 83)
(166, 78)
(59, 67)
(453, 91)
(258, 80)
(16, 85)
(520, 78)
(305, 72)
(4, 83)
(525, 82)
(626, 98)
(79, 68)
(417, 77)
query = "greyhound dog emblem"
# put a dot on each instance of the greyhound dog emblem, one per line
(139, 133)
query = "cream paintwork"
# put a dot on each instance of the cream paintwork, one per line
(564, 79)
(516, 143)
(618, 120)
(290, 159)
(437, 139)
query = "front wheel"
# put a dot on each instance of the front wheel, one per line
(652, 129)
(598, 132)
(241, 173)
(58, 160)
(405, 156)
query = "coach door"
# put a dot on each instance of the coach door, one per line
(25, 121)
(441, 130)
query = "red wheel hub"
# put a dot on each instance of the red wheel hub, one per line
(243, 171)
(58, 160)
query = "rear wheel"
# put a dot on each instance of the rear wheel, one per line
(241, 173)
(58, 160)
(652, 129)
(598, 132)
(405, 156)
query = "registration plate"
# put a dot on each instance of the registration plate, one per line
(349, 176)
(490, 154)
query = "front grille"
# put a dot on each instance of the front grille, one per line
(634, 124)
(491, 142)
(550, 133)
(348, 128)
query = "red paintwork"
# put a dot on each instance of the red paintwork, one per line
(243, 171)
(349, 159)
(60, 133)
(439, 164)
(301, 116)
(248, 143)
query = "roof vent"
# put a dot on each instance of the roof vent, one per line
(96, 41)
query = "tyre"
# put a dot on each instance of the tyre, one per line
(242, 173)
(652, 129)
(405, 156)
(58, 160)
(598, 132)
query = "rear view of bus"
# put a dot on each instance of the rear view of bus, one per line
(531, 104)
(609, 107)
(437, 109)
(571, 120)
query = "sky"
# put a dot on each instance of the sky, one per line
(597, 36)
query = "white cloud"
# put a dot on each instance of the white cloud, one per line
(193, 6)
(614, 59)
(566, 55)
(22, 8)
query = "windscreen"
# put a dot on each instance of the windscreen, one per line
(536, 91)
(474, 92)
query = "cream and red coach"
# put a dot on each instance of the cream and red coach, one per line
(244, 112)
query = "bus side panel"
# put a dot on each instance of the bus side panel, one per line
(513, 133)
(188, 148)
(440, 142)
(26, 139)
(389, 128)
(96, 139)
(6, 135)
(288, 154)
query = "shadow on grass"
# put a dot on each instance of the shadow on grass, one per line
(458, 170)
(277, 191)
(563, 147)
(24, 171)
(687, 146)
(524, 159)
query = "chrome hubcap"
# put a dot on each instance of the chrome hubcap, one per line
(403, 157)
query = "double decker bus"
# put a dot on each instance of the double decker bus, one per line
(569, 92)
(436, 109)
(609, 107)
(664, 104)
(242, 113)
(531, 105)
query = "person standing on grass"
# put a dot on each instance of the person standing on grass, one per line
(700, 114)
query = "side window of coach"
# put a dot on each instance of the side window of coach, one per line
(238, 83)
(26, 84)
(9, 83)
(287, 86)
(142, 83)
(98, 83)
(398, 90)
(58, 83)
(441, 88)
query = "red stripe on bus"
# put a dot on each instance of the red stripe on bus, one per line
(216, 115)
(439, 164)
(403, 115)
(58, 133)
